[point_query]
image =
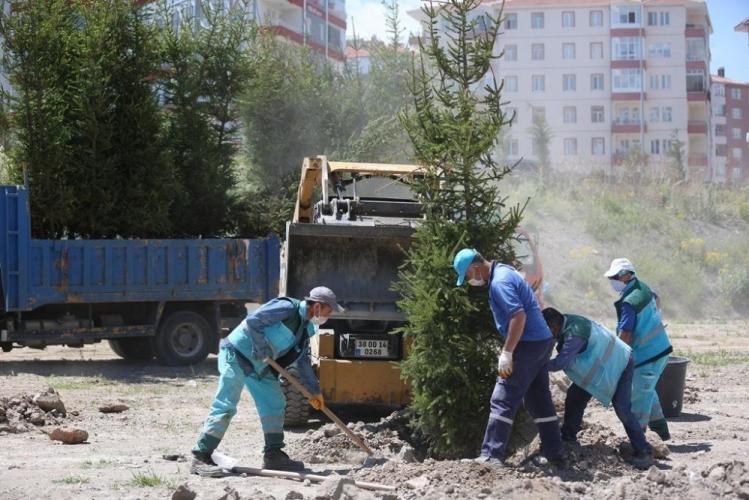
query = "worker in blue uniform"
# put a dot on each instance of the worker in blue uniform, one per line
(640, 325)
(600, 365)
(279, 329)
(523, 361)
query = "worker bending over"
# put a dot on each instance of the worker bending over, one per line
(279, 329)
(523, 362)
(640, 326)
(600, 366)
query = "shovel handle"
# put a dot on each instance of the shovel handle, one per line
(332, 416)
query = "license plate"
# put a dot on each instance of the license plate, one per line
(364, 348)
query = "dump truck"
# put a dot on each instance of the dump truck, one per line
(352, 224)
(167, 298)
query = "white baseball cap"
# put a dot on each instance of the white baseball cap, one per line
(619, 265)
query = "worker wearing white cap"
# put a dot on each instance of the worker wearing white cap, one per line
(640, 326)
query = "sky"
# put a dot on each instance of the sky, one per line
(729, 49)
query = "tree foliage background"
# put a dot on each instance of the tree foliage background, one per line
(454, 126)
(152, 122)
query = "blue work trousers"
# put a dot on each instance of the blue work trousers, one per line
(265, 391)
(528, 385)
(577, 399)
(645, 402)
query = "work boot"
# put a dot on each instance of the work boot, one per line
(278, 460)
(641, 460)
(660, 427)
(490, 461)
(204, 466)
(560, 460)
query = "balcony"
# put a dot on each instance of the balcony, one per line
(697, 160)
(618, 95)
(697, 127)
(627, 126)
(628, 63)
(695, 30)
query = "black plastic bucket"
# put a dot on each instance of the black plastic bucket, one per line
(670, 387)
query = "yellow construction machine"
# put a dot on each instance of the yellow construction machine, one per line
(352, 224)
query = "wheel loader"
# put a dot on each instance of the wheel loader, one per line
(352, 225)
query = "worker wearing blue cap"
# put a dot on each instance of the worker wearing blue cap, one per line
(523, 361)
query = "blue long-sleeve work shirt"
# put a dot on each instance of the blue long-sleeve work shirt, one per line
(571, 347)
(275, 311)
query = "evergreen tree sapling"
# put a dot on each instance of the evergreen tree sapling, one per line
(454, 125)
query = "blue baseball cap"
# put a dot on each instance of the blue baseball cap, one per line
(462, 262)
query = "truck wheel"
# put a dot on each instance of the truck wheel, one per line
(183, 339)
(297, 406)
(139, 349)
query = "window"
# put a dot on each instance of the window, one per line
(513, 147)
(628, 116)
(596, 81)
(737, 173)
(736, 153)
(721, 149)
(736, 133)
(597, 146)
(596, 114)
(511, 22)
(660, 50)
(511, 83)
(568, 51)
(596, 18)
(655, 114)
(719, 90)
(720, 130)
(511, 52)
(695, 80)
(538, 83)
(626, 48)
(655, 147)
(570, 114)
(735, 93)
(659, 18)
(570, 146)
(666, 114)
(627, 79)
(596, 50)
(625, 15)
(660, 82)
(537, 51)
(537, 20)
(695, 49)
(569, 82)
(568, 19)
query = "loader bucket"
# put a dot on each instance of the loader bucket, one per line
(358, 262)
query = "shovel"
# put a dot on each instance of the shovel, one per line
(332, 416)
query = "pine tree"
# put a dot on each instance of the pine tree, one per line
(456, 119)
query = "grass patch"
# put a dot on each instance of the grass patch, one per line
(150, 480)
(716, 358)
(77, 383)
(98, 464)
(72, 480)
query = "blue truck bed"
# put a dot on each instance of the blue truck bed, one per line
(40, 272)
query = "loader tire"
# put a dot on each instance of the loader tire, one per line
(297, 406)
(137, 349)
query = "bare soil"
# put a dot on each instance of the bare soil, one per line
(123, 456)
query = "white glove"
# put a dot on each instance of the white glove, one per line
(504, 364)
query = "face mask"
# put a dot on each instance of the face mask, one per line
(476, 282)
(318, 320)
(618, 286)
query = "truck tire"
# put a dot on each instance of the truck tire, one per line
(139, 349)
(183, 338)
(297, 406)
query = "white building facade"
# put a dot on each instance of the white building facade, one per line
(613, 78)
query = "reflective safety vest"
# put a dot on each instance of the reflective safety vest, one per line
(649, 340)
(282, 337)
(599, 367)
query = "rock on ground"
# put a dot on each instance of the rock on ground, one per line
(113, 408)
(183, 492)
(69, 435)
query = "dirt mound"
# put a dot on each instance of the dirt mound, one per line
(329, 444)
(25, 412)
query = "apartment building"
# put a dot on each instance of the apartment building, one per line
(317, 24)
(612, 78)
(730, 110)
